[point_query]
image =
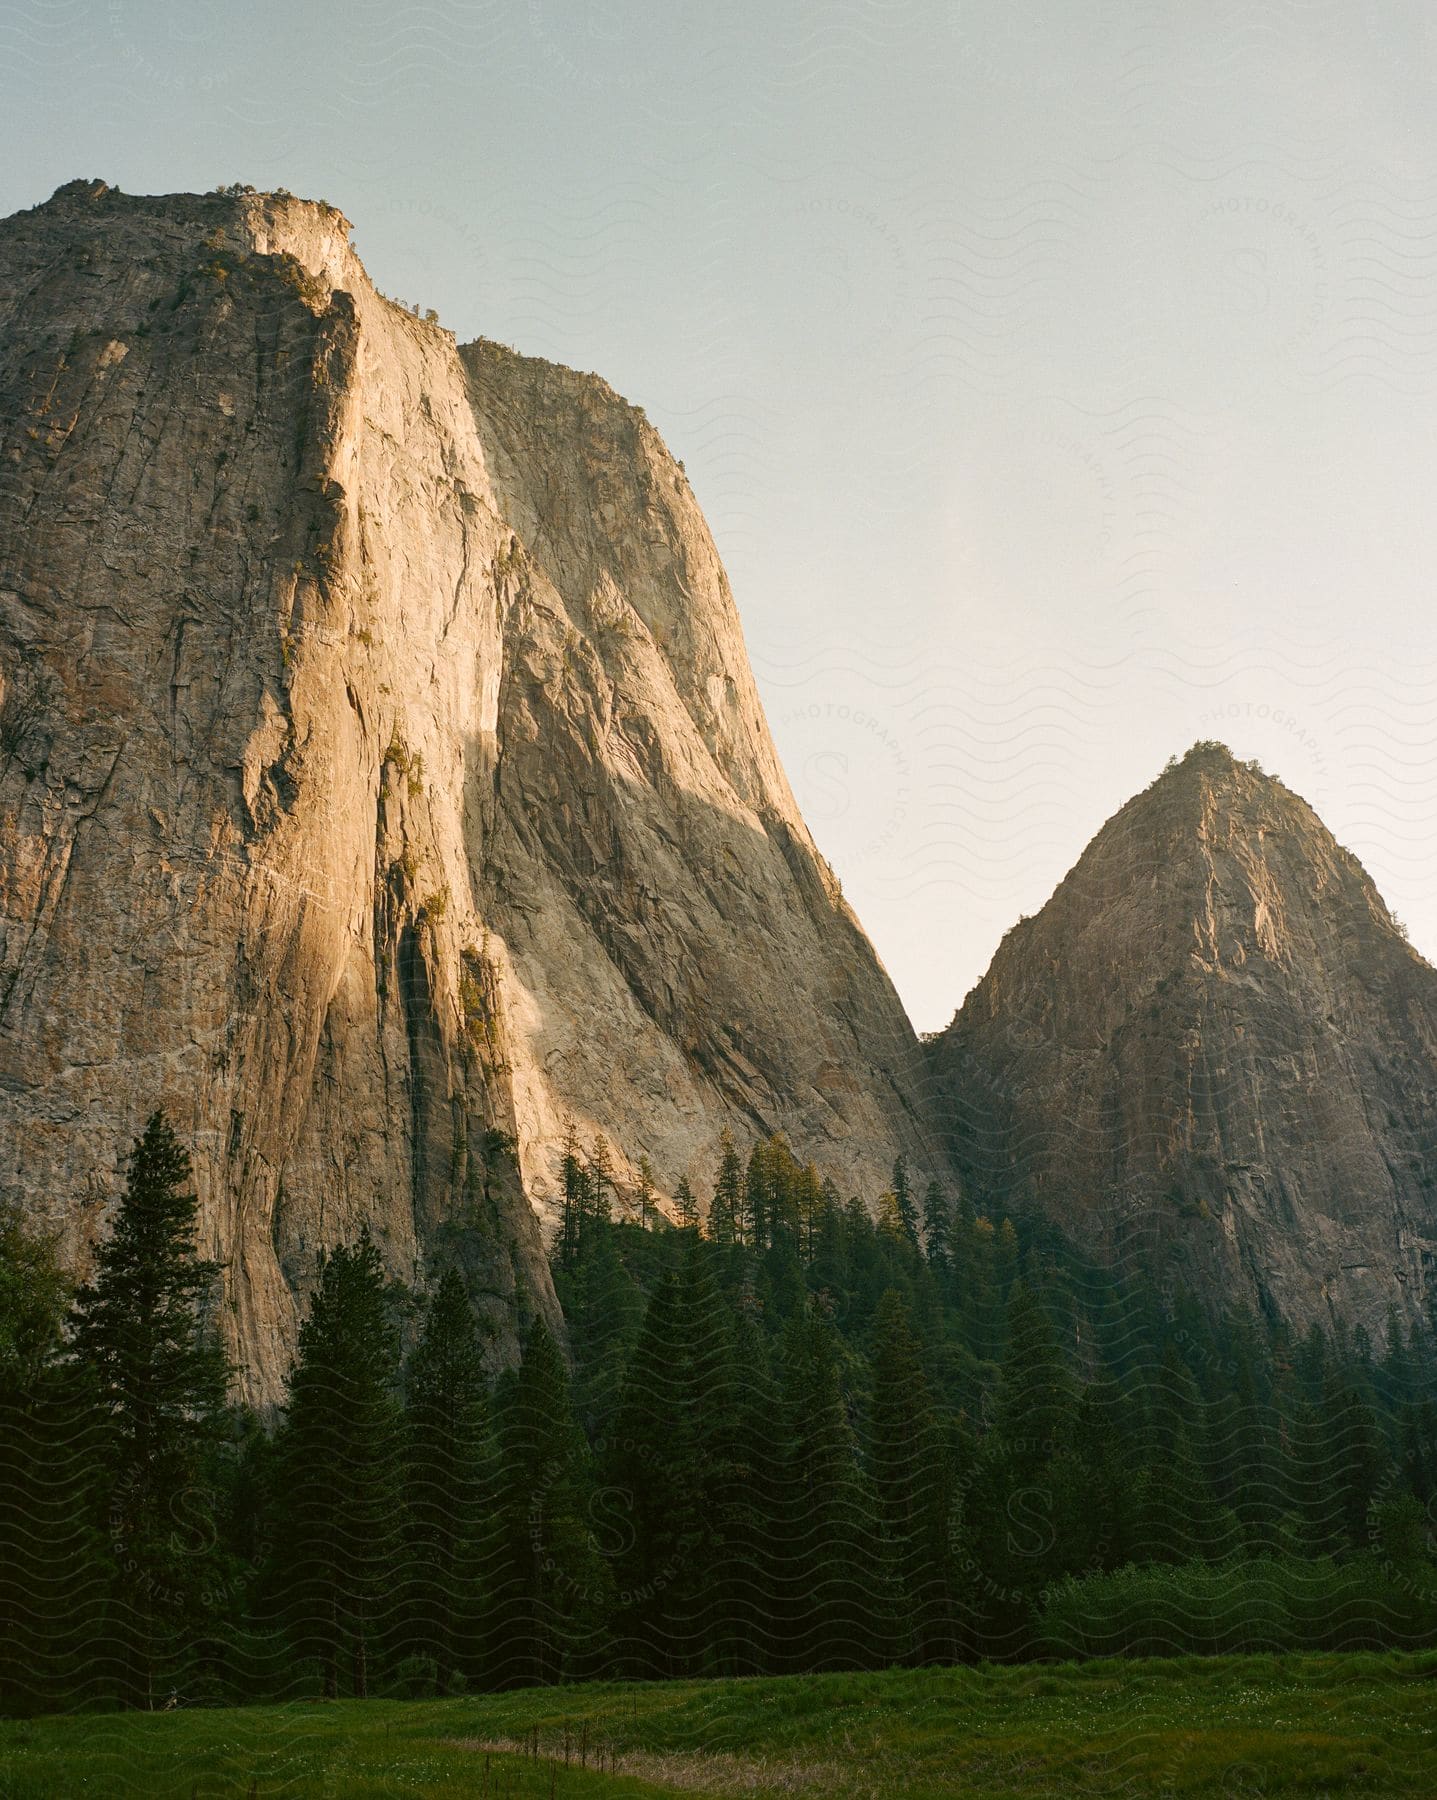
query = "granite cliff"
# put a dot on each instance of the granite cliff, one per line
(1213, 1053)
(383, 784)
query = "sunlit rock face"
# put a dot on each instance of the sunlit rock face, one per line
(382, 777)
(1214, 1053)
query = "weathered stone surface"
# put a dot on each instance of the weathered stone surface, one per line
(1213, 1050)
(381, 773)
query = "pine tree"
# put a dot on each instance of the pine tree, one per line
(54, 1566)
(686, 1473)
(913, 1484)
(890, 1220)
(1175, 1514)
(808, 1207)
(650, 1470)
(828, 1252)
(725, 1212)
(447, 1476)
(1108, 1459)
(1246, 1457)
(549, 1587)
(575, 1183)
(1004, 1274)
(1359, 1457)
(1034, 1412)
(645, 1192)
(1313, 1507)
(758, 1197)
(731, 1564)
(904, 1204)
(1027, 1496)
(938, 1231)
(339, 1462)
(686, 1207)
(785, 1184)
(834, 1606)
(603, 1309)
(601, 1183)
(160, 1378)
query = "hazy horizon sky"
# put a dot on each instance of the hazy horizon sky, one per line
(1058, 389)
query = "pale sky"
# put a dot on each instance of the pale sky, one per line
(1057, 380)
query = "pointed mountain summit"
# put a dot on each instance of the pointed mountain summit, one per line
(1214, 1053)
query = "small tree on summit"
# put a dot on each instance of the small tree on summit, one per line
(160, 1378)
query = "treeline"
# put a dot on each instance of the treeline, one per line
(785, 1437)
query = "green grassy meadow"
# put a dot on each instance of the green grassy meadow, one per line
(1219, 1726)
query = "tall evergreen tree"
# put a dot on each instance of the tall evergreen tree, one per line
(1176, 1517)
(733, 1563)
(652, 1472)
(55, 1569)
(905, 1205)
(645, 1193)
(807, 1203)
(757, 1217)
(574, 1180)
(686, 1207)
(340, 1468)
(938, 1230)
(1246, 1467)
(549, 1586)
(913, 1485)
(160, 1378)
(601, 1183)
(603, 1309)
(1027, 1495)
(1359, 1457)
(726, 1209)
(1108, 1459)
(834, 1605)
(448, 1481)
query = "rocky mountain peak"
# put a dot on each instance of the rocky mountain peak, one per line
(1213, 1049)
(384, 789)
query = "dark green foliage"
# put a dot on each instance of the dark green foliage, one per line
(575, 1182)
(910, 1460)
(904, 1204)
(448, 1478)
(938, 1230)
(55, 1567)
(725, 1221)
(1216, 1609)
(686, 1207)
(548, 1585)
(158, 1377)
(804, 1438)
(1027, 1501)
(833, 1602)
(339, 1469)
(603, 1306)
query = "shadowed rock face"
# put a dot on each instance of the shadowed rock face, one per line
(1213, 1049)
(382, 778)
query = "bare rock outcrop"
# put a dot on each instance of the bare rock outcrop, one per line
(382, 779)
(1213, 1053)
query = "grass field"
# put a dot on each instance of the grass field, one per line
(1225, 1726)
